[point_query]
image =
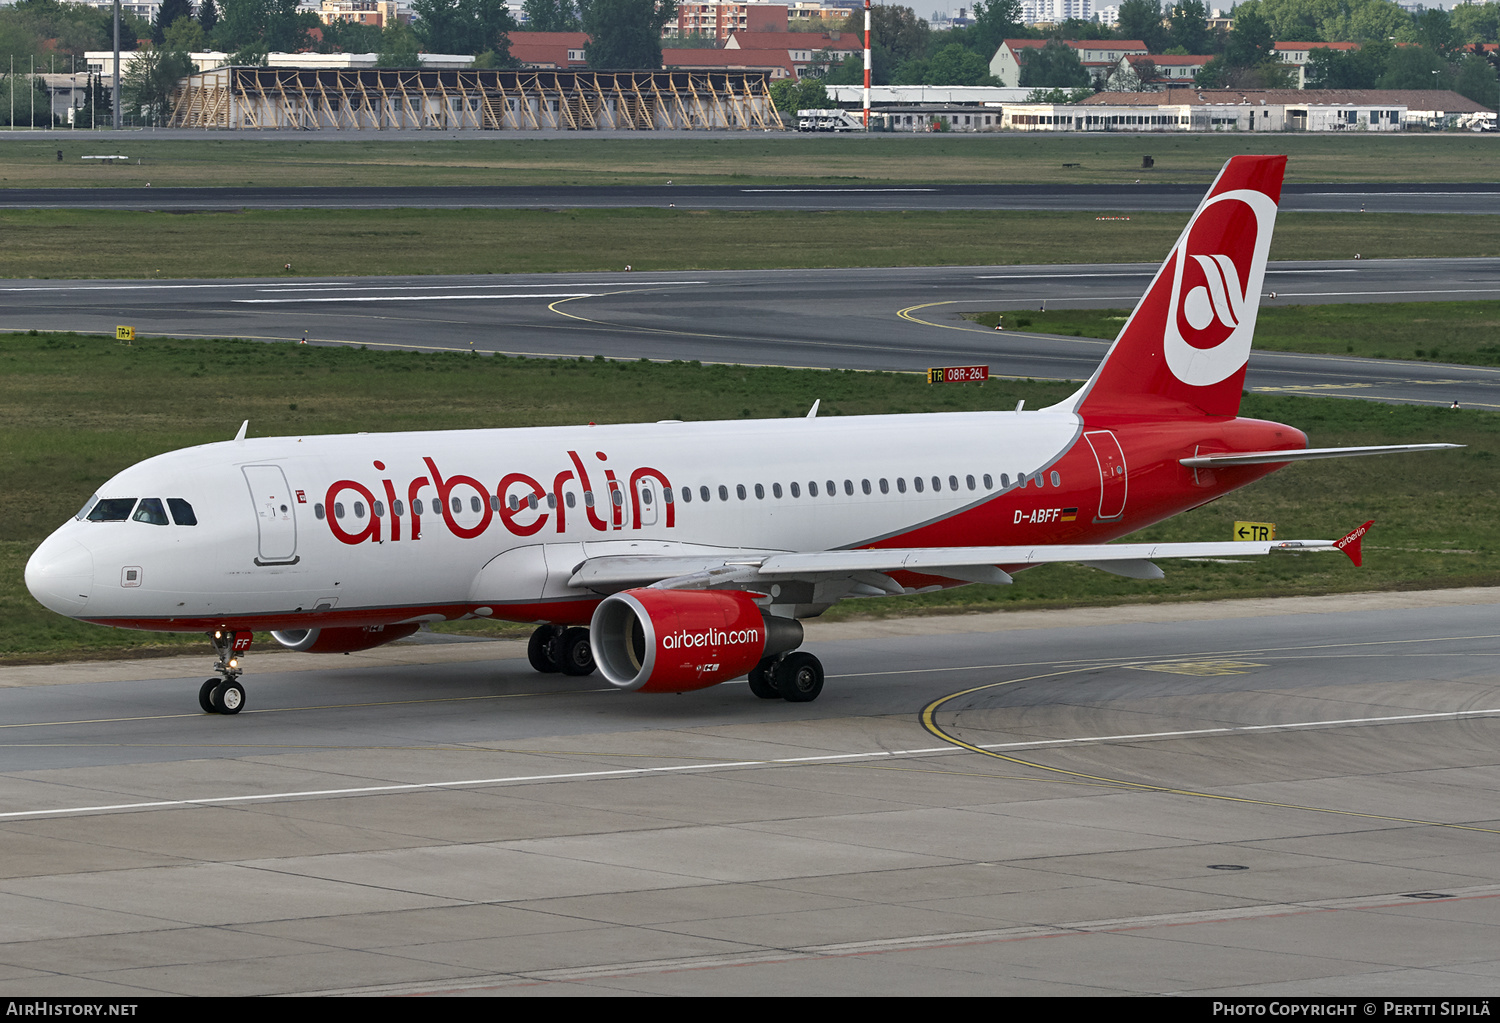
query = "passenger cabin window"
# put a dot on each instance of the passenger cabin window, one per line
(112, 509)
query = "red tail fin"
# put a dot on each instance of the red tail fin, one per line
(1184, 349)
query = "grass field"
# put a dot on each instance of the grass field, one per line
(1458, 332)
(67, 243)
(30, 160)
(74, 410)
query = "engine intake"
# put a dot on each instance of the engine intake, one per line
(342, 640)
(675, 641)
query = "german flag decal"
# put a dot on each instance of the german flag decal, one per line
(1069, 514)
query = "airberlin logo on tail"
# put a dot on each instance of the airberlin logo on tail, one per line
(1219, 266)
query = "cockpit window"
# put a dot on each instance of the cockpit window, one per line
(112, 509)
(150, 510)
(87, 507)
(182, 512)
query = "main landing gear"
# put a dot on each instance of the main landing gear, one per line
(225, 694)
(796, 677)
(555, 648)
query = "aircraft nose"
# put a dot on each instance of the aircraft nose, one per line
(60, 575)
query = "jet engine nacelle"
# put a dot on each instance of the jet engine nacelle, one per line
(675, 641)
(342, 640)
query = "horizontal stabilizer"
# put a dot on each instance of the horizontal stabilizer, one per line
(1306, 454)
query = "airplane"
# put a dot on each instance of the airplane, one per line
(676, 556)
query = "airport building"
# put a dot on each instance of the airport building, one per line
(1265, 110)
(303, 99)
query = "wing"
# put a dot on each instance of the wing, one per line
(869, 572)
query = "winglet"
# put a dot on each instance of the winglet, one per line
(1350, 544)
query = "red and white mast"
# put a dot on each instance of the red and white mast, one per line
(867, 65)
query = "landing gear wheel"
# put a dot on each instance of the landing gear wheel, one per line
(763, 680)
(575, 656)
(206, 696)
(229, 698)
(799, 677)
(542, 650)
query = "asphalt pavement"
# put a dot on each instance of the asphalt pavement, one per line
(902, 318)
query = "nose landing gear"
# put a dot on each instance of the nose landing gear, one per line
(225, 695)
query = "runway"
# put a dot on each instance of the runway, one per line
(903, 319)
(1251, 798)
(1468, 199)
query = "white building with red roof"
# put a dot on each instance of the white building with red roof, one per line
(1098, 56)
(1298, 54)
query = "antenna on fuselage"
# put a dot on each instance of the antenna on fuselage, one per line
(1020, 404)
(243, 427)
(812, 413)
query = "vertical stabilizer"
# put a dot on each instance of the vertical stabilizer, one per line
(1184, 350)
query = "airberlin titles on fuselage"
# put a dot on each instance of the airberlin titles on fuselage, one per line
(520, 502)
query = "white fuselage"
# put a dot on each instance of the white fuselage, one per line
(445, 524)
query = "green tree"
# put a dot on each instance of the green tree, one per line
(1141, 19)
(851, 70)
(1434, 30)
(464, 26)
(185, 35)
(208, 16)
(252, 26)
(353, 37)
(954, 65)
(1302, 21)
(1369, 19)
(994, 22)
(27, 98)
(398, 47)
(1068, 96)
(1348, 69)
(1188, 27)
(1416, 67)
(166, 14)
(626, 34)
(1476, 23)
(550, 15)
(94, 107)
(1251, 43)
(897, 30)
(150, 81)
(791, 95)
(1054, 66)
(1477, 80)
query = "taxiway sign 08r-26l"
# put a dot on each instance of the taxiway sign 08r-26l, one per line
(680, 555)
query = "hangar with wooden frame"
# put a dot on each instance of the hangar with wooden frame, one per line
(381, 99)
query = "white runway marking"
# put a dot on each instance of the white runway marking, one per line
(626, 772)
(410, 298)
(296, 288)
(836, 191)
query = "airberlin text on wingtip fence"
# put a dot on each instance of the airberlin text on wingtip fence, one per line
(1403, 1007)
